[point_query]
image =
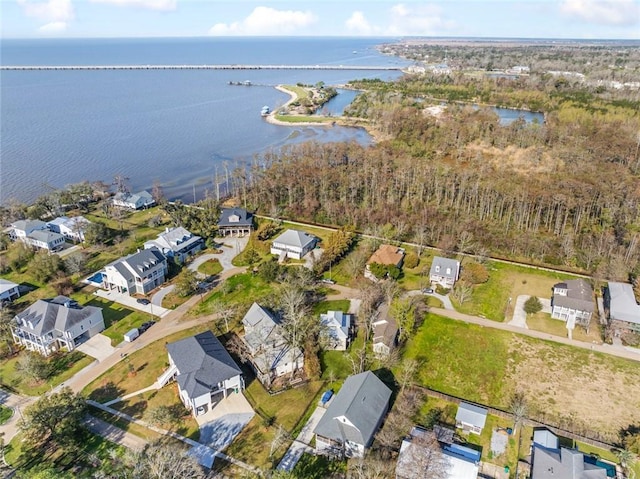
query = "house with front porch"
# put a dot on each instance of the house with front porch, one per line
(204, 371)
(293, 244)
(138, 273)
(8, 290)
(133, 201)
(622, 307)
(444, 271)
(235, 222)
(49, 325)
(176, 243)
(572, 301)
(270, 355)
(353, 417)
(36, 233)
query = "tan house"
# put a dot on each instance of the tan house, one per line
(386, 255)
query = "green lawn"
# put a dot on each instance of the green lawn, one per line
(545, 323)
(5, 414)
(62, 365)
(335, 305)
(211, 267)
(491, 299)
(304, 119)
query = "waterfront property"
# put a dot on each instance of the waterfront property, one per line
(176, 243)
(338, 329)
(35, 233)
(270, 355)
(572, 301)
(204, 371)
(386, 255)
(444, 271)
(139, 273)
(8, 290)
(135, 201)
(624, 311)
(52, 324)
(71, 228)
(293, 244)
(353, 417)
(235, 222)
(471, 418)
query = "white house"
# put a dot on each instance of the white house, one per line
(293, 244)
(140, 272)
(23, 228)
(177, 243)
(8, 290)
(338, 328)
(71, 228)
(444, 271)
(36, 233)
(354, 415)
(135, 201)
(52, 324)
(270, 355)
(572, 301)
(204, 371)
(471, 418)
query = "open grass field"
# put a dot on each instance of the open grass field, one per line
(562, 384)
(491, 299)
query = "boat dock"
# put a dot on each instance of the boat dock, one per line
(200, 67)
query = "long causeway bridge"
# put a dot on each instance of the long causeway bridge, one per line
(199, 67)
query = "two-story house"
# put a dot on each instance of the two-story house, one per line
(8, 290)
(71, 228)
(36, 233)
(444, 271)
(204, 371)
(176, 243)
(271, 356)
(337, 328)
(572, 301)
(52, 324)
(133, 201)
(293, 244)
(623, 308)
(235, 222)
(138, 273)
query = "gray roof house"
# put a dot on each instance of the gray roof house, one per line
(572, 301)
(385, 332)
(140, 272)
(52, 324)
(133, 201)
(293, 244)
(353, 417)
(235, 221)
(545, 438)
(338, 328)
(8, 290)
(624, 311)
(444, 271)
(271, 356)
(36, 234)
(562, 463)
(177, 243)
(22, 228)
(203, 369)
(471, 418)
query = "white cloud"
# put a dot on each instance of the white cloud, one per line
(53, 27)
(421, 19)
(607, 12)
(267, 21)
(161, 5)
(53, 11)
(357, 24)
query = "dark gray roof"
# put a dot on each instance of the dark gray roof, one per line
(45, 236)
(623, 305)
(471, 414)
(579, 295)
(202, 363)
(563, 464)
(244, 217)
(58, 314)
(356, 411)
(142, 260)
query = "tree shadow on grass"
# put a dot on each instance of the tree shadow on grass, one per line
(111, 315)
(135, 409)
(106, 392)
(141, 367)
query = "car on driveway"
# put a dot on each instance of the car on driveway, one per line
(144, 326)
(144, 301)
(427, 290)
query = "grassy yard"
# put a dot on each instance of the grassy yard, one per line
(491, 299)
(545, 323)
(335, 305)
(62, 366)
(304, 118)
(210, 267)
(139, 370)
(487, 366)
(5, 414)
(131, 427)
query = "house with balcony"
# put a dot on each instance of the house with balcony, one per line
(338, 329)
(176, 243)
(293, 244)
(444, 271)
(36, 233)
(133, 201)
(270, 355)
(49, 325)
(204, 371)
(572, 302)
(8, 290)
(235, 222)
(353, 417)
(138, 273)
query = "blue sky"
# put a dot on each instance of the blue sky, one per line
(463, 18)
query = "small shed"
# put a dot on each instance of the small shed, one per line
(471, 418)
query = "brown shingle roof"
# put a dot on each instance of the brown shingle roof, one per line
(387, 254)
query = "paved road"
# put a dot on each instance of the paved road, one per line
(18, 404)
(231, 247)
(157, 298)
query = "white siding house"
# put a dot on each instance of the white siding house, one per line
(138, 273)
(293, 244)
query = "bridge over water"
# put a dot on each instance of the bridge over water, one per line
(200, 67)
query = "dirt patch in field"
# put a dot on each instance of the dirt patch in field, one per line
(521, 160)
(577, 390)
